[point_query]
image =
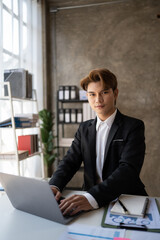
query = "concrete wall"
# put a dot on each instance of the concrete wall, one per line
(125, 38)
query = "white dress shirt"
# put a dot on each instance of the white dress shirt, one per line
(102, 128)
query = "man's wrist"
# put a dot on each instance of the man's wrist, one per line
(91, 200)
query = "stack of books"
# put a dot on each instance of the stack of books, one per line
(21, 121)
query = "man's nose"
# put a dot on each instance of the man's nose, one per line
(99, 98)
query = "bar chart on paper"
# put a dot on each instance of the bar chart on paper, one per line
(80, 232)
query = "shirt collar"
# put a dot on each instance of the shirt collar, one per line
(108, 121)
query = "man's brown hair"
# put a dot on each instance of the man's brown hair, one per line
(101, 74)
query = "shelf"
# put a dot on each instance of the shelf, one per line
(73, 101)
(9, 97)
(18, 155)
(18, 99)
(20, 128)
(34, 154)
(21, 155)
(65, 142)
(69, 123)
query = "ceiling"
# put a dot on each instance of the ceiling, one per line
(70, 3)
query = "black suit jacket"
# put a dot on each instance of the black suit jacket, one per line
(123, 160)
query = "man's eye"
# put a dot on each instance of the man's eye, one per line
(105, 92)
(91, 94)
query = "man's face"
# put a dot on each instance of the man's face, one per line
(101, 100)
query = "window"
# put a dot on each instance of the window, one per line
(15, 30)
(20, 43)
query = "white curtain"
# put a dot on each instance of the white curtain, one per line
(32, 60)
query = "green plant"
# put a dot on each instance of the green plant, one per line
(46, 128)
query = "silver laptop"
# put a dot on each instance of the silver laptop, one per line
(33, 196)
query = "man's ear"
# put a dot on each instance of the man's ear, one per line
(116, 91)
(115, 95)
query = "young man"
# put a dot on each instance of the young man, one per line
(111, 147)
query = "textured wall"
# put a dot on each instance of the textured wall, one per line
(124, 37)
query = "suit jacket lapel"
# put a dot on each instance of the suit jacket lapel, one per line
(92, 144)
(112, 132)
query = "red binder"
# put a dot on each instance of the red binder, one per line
(25, 142)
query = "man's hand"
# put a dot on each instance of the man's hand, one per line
(74, 204)
(56, 192)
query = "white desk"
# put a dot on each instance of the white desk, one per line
(18, 225)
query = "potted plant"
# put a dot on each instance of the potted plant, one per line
(46, 128)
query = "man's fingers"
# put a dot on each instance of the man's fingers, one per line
(71, 201)
(57, 193)
(74, 204)
(69, 205)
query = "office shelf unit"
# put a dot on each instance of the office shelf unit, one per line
(66, 130)
(62, 140)
(23, 130)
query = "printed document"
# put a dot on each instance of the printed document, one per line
(83, 232)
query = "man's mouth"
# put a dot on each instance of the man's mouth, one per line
(99, 106)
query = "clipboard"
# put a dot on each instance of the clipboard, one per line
(127, 227)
